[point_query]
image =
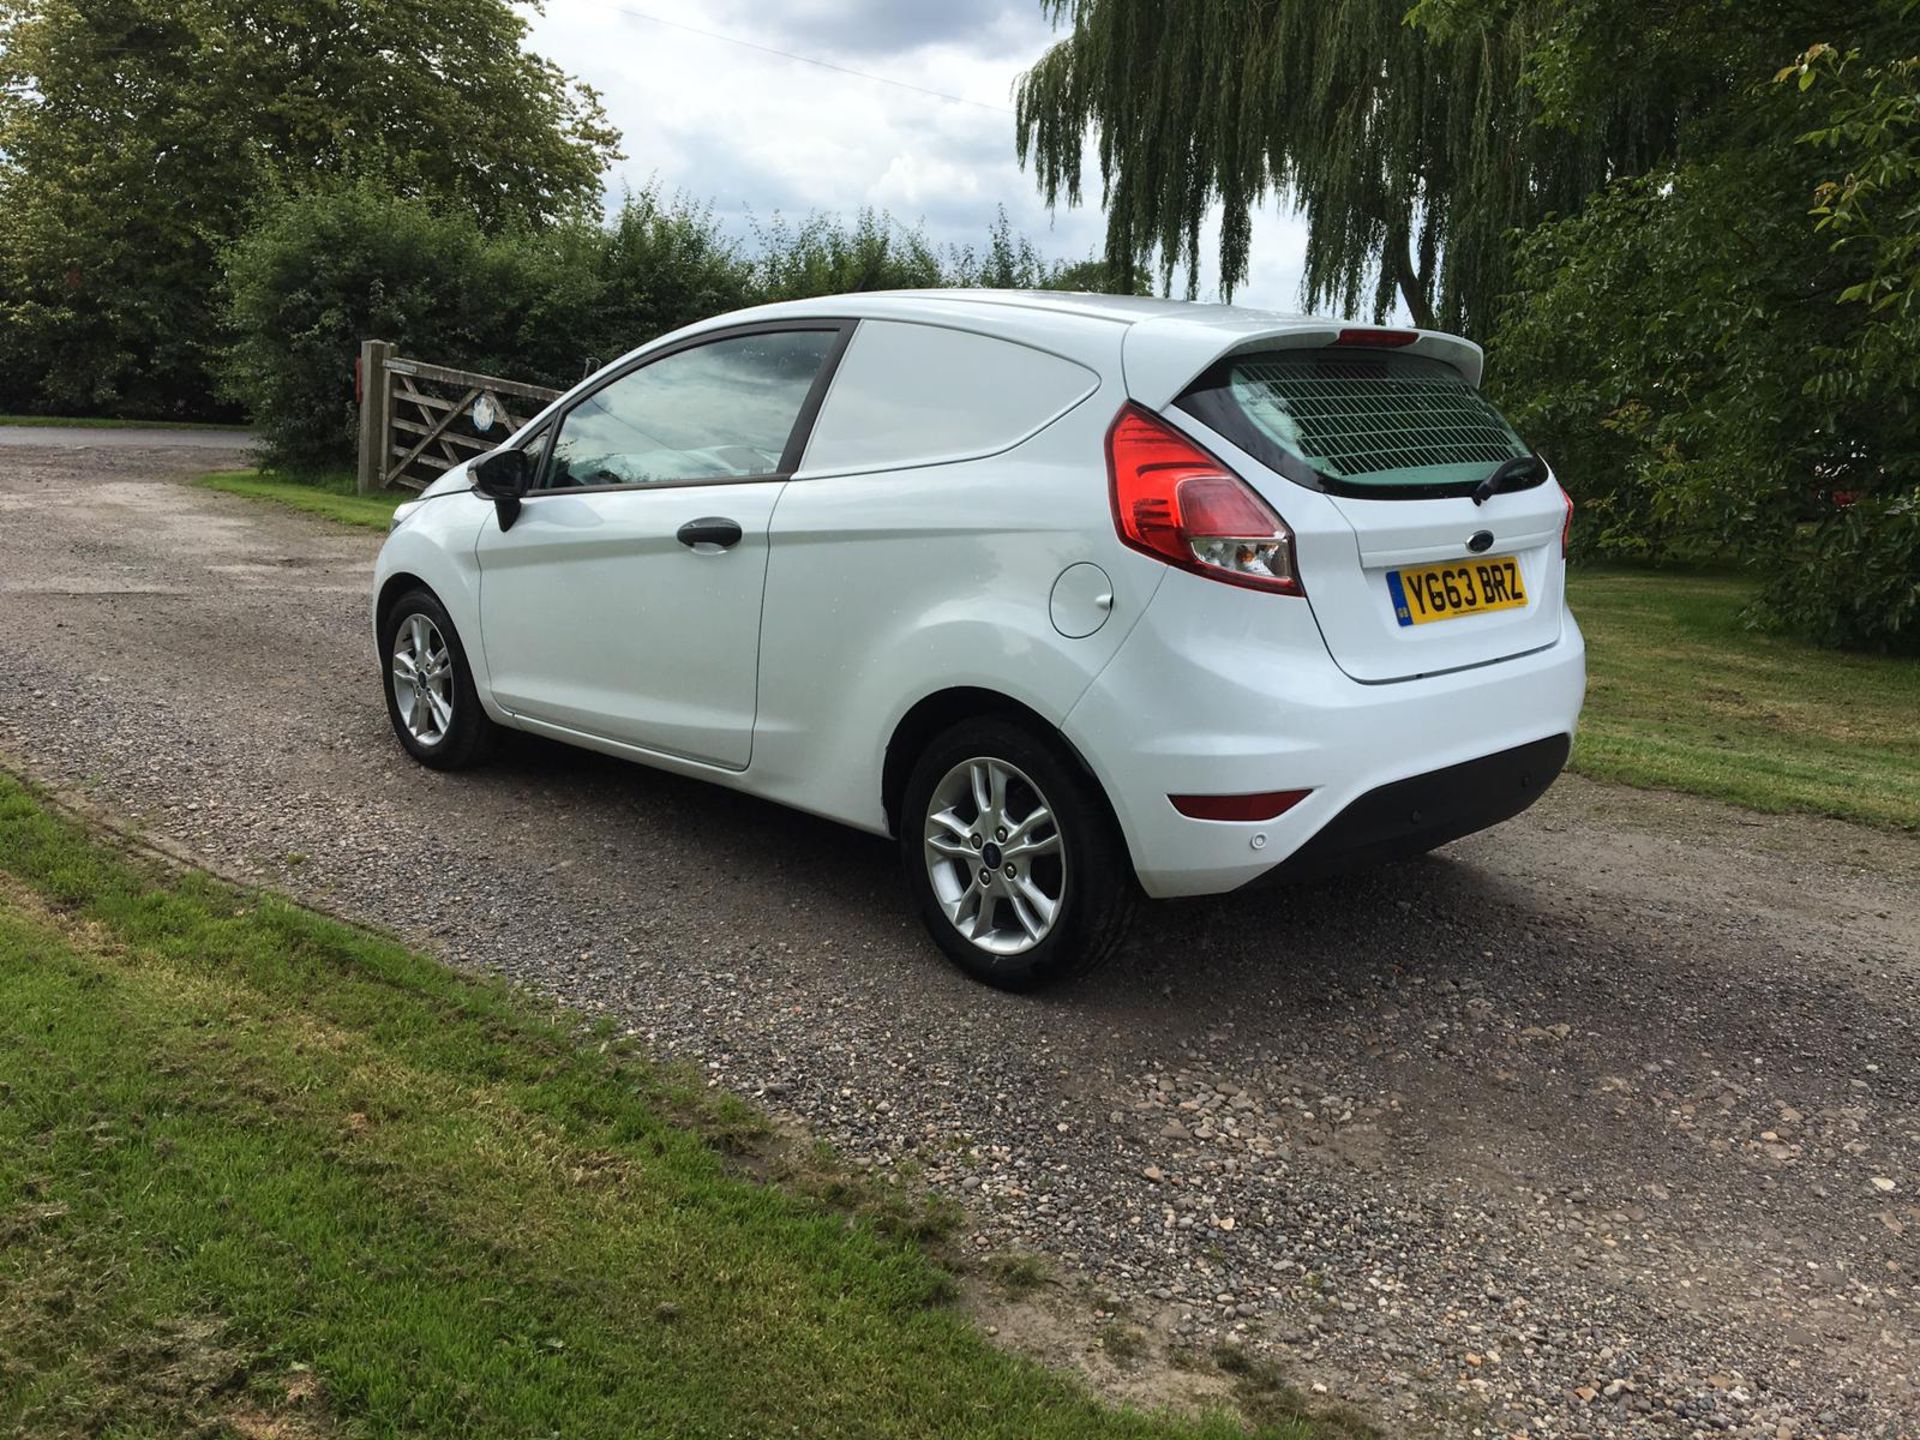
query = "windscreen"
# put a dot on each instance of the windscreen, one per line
(1364, 420)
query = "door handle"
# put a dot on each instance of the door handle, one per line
(714, 530)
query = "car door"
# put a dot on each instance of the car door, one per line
(624, 600)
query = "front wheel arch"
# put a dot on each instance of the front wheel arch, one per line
(397, 584)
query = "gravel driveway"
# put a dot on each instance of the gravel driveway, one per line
(131, 437)
(1606, 1123)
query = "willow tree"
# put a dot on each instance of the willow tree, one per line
(1412, 150)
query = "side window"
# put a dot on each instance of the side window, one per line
(718, 411)
(909, 394)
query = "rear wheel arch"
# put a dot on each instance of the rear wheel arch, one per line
(939, 712)
(1069, 888)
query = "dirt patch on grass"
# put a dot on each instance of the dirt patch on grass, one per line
(299, 1412)
(1062, 1326)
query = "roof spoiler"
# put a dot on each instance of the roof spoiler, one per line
(1162, 357)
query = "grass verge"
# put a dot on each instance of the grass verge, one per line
(330, 496)
(262, 1173)
(1682, 695)
(104, 422)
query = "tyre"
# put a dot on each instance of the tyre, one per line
(430, 696)
(1016, 863)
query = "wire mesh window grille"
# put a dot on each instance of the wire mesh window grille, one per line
(1373, 417)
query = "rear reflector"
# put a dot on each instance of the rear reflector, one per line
(1378, 339)
(1566, 526)
(1270, 806)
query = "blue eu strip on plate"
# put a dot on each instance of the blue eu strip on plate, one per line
(1400, 611)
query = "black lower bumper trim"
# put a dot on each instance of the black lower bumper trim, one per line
(1412, 816)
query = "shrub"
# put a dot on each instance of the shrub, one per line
(324, 271)
(823, 256)
(319, 274)
(658, 264)
(1853, 581)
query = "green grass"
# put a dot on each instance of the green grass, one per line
(104, 422)
(330, 496)
(264, 1173)
(1683, 696)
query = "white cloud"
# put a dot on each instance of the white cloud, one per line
(755, 132)
(912, 182)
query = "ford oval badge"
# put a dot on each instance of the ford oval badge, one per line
(1480, 541)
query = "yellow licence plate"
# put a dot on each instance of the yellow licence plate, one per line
(1425, 593)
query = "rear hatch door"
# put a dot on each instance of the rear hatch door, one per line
(1417, 597)
(1390, 430)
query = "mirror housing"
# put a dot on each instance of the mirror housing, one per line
(503, 476)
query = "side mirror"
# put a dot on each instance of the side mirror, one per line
(503, 476)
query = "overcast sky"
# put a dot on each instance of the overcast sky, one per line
(757, 133)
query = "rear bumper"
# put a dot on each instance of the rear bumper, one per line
(1410, 817)
(1219, 691)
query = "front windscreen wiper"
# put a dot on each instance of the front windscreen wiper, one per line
(1514, 474)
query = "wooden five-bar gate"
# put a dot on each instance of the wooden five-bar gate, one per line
(417, 420)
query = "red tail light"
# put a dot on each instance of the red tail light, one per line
(1177, 503)
(1566, 525)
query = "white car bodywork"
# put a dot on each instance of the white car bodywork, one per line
(948, 540)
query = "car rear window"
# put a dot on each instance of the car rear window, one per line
(1365, 421)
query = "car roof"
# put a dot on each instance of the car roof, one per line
(1069, 305)
(1166, 343)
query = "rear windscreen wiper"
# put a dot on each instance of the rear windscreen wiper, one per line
(1514, 474)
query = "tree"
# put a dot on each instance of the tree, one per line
(1867, 203)
(1856, 580)
(1656, 347)
(1413, 150)
(138, 137)
(1723, 355)
(1417, 138)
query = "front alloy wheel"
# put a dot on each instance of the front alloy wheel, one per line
(422, 675)
(1019, 869)
(431, 700)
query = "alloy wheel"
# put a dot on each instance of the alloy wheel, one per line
(422, 677)
(995, 856)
